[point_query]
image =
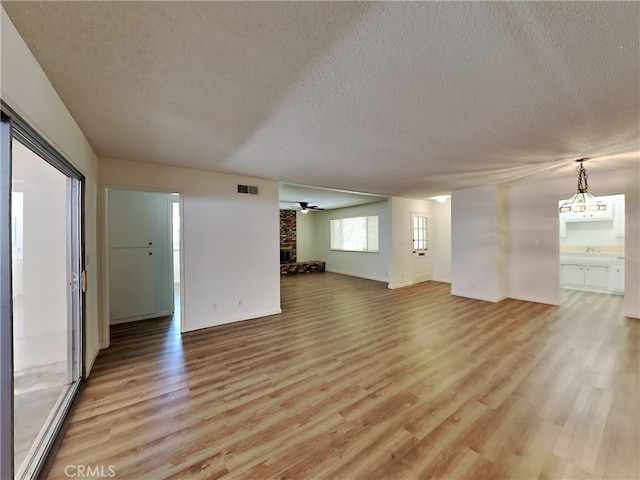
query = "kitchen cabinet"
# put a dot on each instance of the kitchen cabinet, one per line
(616, 278)
(573, 275)
(590, 216)
(594, 272)
(562, 226)
(589, 276)
(618, 218)
(595, 277)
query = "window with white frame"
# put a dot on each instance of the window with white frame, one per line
(356, 234)
(420, 231)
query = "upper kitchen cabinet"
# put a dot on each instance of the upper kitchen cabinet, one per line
(618, 217)
(588, 216)
(613, 217)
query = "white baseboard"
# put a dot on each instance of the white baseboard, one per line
(479, 297)
(141, 317)
(442, 280)
(351, 274)
(91, 360)
(225, 321)
(527, 298)
(400, 285)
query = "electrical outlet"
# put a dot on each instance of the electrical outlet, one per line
(240, 303)
(214, 307)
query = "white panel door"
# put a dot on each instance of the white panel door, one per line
(132, 286)
(133, 219)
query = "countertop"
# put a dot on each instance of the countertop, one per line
(591, 258)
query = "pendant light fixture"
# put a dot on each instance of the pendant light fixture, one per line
(582, 201)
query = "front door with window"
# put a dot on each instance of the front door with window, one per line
(421, 257)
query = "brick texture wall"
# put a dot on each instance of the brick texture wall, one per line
(288, 232)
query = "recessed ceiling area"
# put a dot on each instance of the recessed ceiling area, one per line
(292, 195)
(411, 99)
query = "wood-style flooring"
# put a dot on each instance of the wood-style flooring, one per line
(356, 381)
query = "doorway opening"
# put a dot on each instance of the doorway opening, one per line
(592, 249)
(143, 235)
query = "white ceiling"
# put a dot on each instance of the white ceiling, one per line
(390, 98)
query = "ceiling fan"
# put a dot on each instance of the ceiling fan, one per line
(305, 207)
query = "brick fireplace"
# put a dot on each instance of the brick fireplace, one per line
(288, 238)
(288, 255)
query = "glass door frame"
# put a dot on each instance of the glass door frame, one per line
(12, 127)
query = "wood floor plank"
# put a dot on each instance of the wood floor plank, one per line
(356, 381)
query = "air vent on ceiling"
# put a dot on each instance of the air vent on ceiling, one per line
(248, 189)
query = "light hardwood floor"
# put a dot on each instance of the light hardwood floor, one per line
(354, 380)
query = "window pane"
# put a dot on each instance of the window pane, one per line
(41, 316)
(372, 233)
(358, 234)
(336, 234)
(355, 233)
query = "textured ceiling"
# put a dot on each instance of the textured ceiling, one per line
(390, 98)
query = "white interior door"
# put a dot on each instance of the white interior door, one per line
(421, 255)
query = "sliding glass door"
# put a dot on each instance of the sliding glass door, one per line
(43, 282)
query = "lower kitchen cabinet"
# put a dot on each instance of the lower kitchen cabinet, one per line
(589, 277)
(595, 277)
(573, 275)
(616, 278)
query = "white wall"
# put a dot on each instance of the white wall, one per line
(534, 270)
(230, 241)
(401, 267)
(441, 241)
(478, 243)
(27, 90)
(374, 266)
(306, 245)
(598, 234)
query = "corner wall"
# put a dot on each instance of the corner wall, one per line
(441, 241)
(401, 239)
(230, 247)
(306, 244)
(373, 266)
(534, 265)
(478, 243)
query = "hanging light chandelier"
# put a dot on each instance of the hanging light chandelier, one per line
(582, 201)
